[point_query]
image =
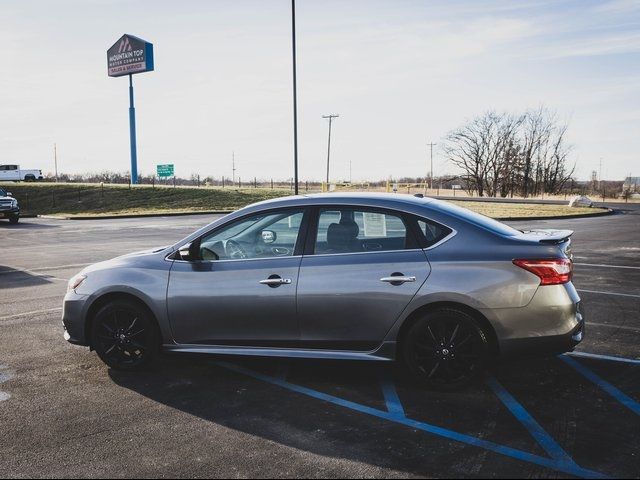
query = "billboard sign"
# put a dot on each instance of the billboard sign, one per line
(129, 55)
(165, 170)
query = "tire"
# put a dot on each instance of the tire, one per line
(446, 349)
(14, 220)
(125, 336)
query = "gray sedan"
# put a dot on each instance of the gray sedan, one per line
(380, 277)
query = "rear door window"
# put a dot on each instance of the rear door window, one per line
(353, 230)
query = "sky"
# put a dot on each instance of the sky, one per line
(400, 73)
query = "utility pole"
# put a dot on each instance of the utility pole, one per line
(55, 159)
(431, 176)
(295, 97)
(330, 117)
(350, 179)
(233, 167)
(600, 176)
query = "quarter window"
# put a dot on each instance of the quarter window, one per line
(433, 232)
(350, 230)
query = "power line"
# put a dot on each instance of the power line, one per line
(330, 117)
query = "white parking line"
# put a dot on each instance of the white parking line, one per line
(606, 266)
(619, 327)
(34, 312)
(609, 293)
(41, 269)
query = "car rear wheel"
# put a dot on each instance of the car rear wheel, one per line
(446, 349)
(124, 335)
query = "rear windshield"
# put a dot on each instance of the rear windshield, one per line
(478, 219)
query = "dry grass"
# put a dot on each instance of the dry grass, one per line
(517, 210)
(94, 200)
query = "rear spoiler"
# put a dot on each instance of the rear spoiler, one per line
(546, 236)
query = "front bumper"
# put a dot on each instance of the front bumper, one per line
(73, 318)
(11, 212)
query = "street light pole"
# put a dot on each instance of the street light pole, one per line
(295, 97)
(55, 159)
(330, 117)
(431, 176)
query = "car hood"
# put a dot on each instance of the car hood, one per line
(129, 259)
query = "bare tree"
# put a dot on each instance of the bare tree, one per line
(504, 153)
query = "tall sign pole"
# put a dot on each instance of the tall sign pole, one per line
(132, 134)
(128, 56)
(295, 98)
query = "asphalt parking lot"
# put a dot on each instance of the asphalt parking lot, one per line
(64, 414)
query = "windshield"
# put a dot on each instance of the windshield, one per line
(3, 192)
(478, 219)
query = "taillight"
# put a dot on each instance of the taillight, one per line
(553, 271)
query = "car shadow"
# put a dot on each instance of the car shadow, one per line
(204, 387)
(12, 278)
(25, 224)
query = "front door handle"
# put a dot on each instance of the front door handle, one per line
(275, 281)
(397, 279)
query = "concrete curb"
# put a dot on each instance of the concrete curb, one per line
(610, 211)
(139, 215)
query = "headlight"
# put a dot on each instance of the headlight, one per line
(75, 282)
(14, 203)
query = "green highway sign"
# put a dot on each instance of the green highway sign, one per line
(165, 170)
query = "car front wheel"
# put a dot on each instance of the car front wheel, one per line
(124, 335)
(446, 349)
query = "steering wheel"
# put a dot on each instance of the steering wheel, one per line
(234, 250)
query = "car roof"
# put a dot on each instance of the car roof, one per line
(348, 198)
(438, 210)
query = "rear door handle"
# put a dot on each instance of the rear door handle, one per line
(274, 282)
(397, 280)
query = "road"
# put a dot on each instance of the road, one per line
(64, 414)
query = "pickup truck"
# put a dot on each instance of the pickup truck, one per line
(9, 207)
(13, 173)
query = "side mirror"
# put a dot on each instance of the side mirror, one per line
(9, 194)
(269, 236)
(188, 252)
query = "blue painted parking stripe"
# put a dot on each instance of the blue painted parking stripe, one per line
(633, 361)
(621, 397)
(553, 464)
(537, 432)
(394, 406)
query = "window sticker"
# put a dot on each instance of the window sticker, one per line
(375, 224)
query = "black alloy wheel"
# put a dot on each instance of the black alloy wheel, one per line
(124, 336)
(446, 349)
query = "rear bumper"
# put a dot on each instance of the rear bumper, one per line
(548, 345)
(553, 322)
